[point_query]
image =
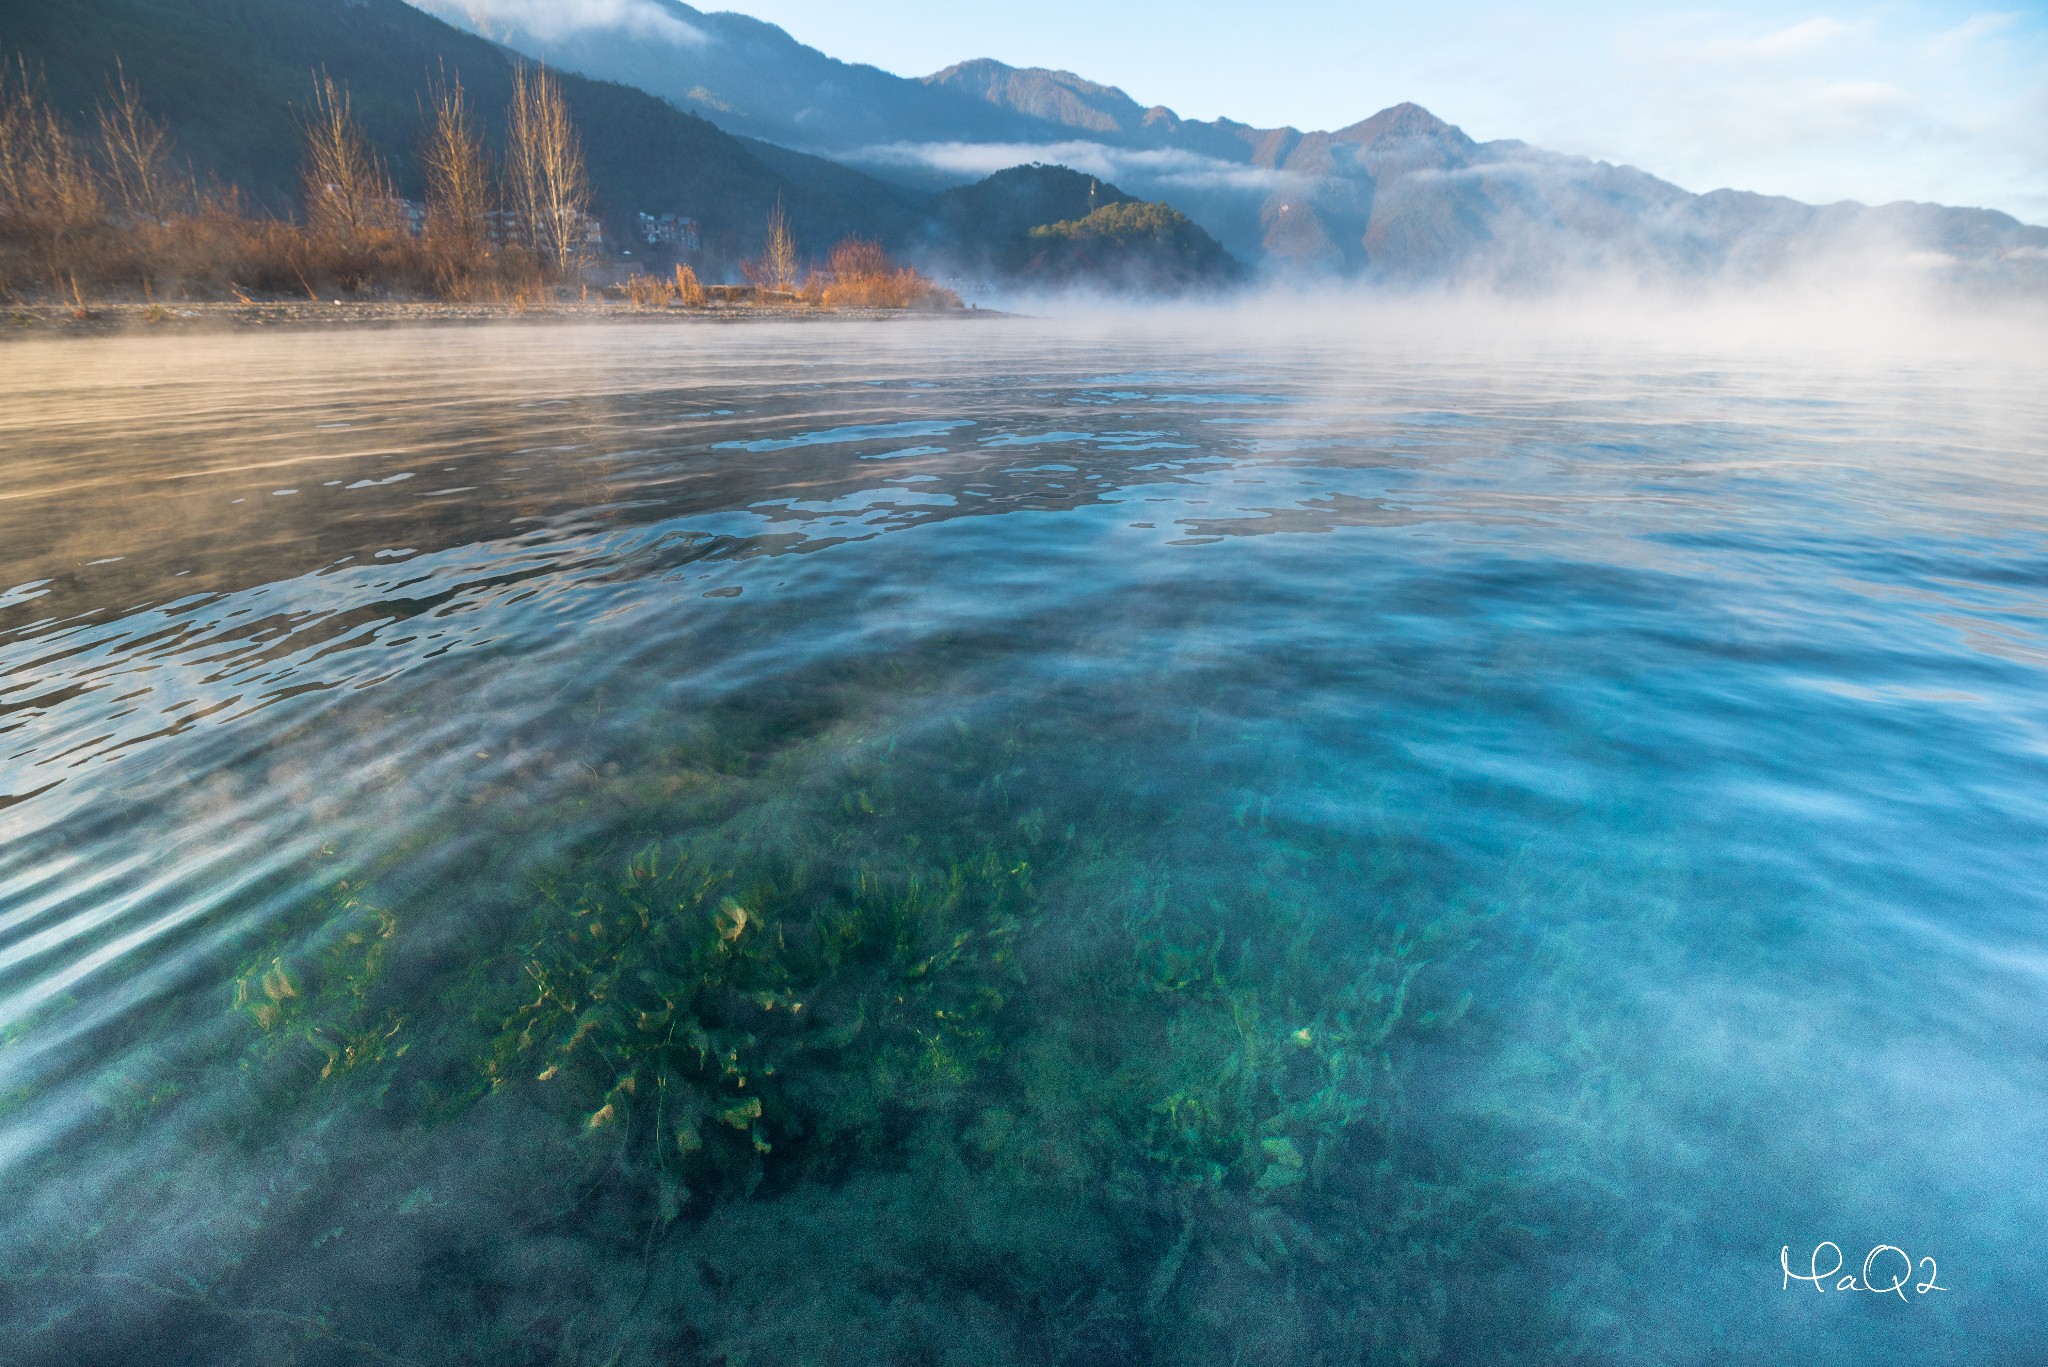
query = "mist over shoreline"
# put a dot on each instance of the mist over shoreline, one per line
(1842, 313)
(1847, 309)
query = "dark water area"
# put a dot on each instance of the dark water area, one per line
(1044, 843)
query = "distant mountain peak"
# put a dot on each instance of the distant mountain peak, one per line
(989, 69)
(1057, 96)
(1404, 120)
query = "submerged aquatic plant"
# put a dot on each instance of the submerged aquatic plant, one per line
(709, 1011)
(1039, 1074)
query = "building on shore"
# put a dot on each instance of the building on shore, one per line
(673, 232)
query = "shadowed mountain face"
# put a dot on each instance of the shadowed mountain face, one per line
(231, 77)
(1051, 227)
(747, 76)
(1009, 204)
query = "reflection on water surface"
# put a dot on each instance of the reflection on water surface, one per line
(1015, 844)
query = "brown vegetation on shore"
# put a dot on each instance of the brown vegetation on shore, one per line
(92, 216)
(104, 215)
(653, 292)
(861, 275)
(857, 275)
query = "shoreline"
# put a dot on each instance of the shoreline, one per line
(26, 321)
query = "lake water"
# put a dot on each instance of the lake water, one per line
(1156, 842)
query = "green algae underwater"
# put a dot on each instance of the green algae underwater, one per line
(1015, 845)
(925, 1017)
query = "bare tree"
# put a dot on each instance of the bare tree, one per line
(137, 153)
(20, 118)
(778, 255)
(544, 174)
(458, 183)
(47, 186)
(348, 195)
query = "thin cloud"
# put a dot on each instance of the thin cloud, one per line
(1800, 40)
(1163, 166)
(1867, 96)
(552, 19)
(1973, 30)
(1910, 101)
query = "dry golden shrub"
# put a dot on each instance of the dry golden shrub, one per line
(863, 276)
(688, 291)
(649, 292)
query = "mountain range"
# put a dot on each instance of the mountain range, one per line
(720, 116)
(1402, 194)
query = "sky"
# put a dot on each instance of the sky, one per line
(1916, 99)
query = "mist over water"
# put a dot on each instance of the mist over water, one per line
(1447, 834)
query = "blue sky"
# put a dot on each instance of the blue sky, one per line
(1908, 100)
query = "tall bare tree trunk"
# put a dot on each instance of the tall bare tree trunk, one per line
(458, 182)
(522, 189)
(544, 173)
(348, 196)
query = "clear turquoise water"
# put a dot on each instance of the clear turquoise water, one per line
(1292, 846)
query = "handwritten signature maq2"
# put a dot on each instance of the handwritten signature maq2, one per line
(1879, 1259)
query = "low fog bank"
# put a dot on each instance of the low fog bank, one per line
(1877, 304)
